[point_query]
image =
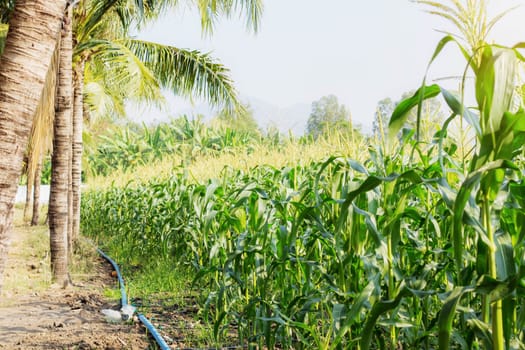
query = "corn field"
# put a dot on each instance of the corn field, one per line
(419, 246)
(128, 147)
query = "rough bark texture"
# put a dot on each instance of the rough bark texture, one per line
(70, 184)
(34, 26)
(58, 201)
(36, 194)
(78, 120)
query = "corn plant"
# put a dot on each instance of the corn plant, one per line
(419, 246)
(481, 248)
(320, 231)
(133, 145)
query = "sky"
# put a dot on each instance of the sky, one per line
(360, 51)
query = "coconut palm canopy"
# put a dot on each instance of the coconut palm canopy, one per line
(120, 68)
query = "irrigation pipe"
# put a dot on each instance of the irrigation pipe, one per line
(124, 301)
(124, 297)
(153, 331)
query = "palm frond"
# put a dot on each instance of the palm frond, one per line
(96, 10)
(123, 71)
(41, 137)
(116, 16)
(187, 72)
(101, 102)
(211, 10)
(152, 9)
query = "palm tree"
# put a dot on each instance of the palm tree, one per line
(60, 177)
(40, 137)
(34, 26)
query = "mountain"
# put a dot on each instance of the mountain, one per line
(292, 118)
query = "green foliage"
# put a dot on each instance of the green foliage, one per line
(212, 10)
(45, 176)
(3, 35)
(126, 148)
(430, 121)
(187, 72)
(363, 251)
(6, 8)
(242, 121)
(326, 116)
(249, 234)
(478, 196)
(119, 68)
(417, 247)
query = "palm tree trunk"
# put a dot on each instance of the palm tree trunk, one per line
(33, 30)
(29, 190)
(36, 194)
(70, 182)
(78, 120)
(58, 201)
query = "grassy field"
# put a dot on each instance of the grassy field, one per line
(29, 260)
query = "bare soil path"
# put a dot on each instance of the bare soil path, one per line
(37, 315)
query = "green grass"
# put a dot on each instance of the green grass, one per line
(112, 293)
(158, 280)
(28, 268)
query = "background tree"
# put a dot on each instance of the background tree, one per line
(241, 121)
(40, 138)
(384, 110)
(328, 115)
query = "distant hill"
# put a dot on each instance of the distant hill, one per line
(292, 118)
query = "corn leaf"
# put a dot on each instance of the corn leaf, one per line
(400, 113)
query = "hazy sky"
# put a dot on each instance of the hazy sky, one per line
(360, 51)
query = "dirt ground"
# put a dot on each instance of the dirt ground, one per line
(37, 315)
